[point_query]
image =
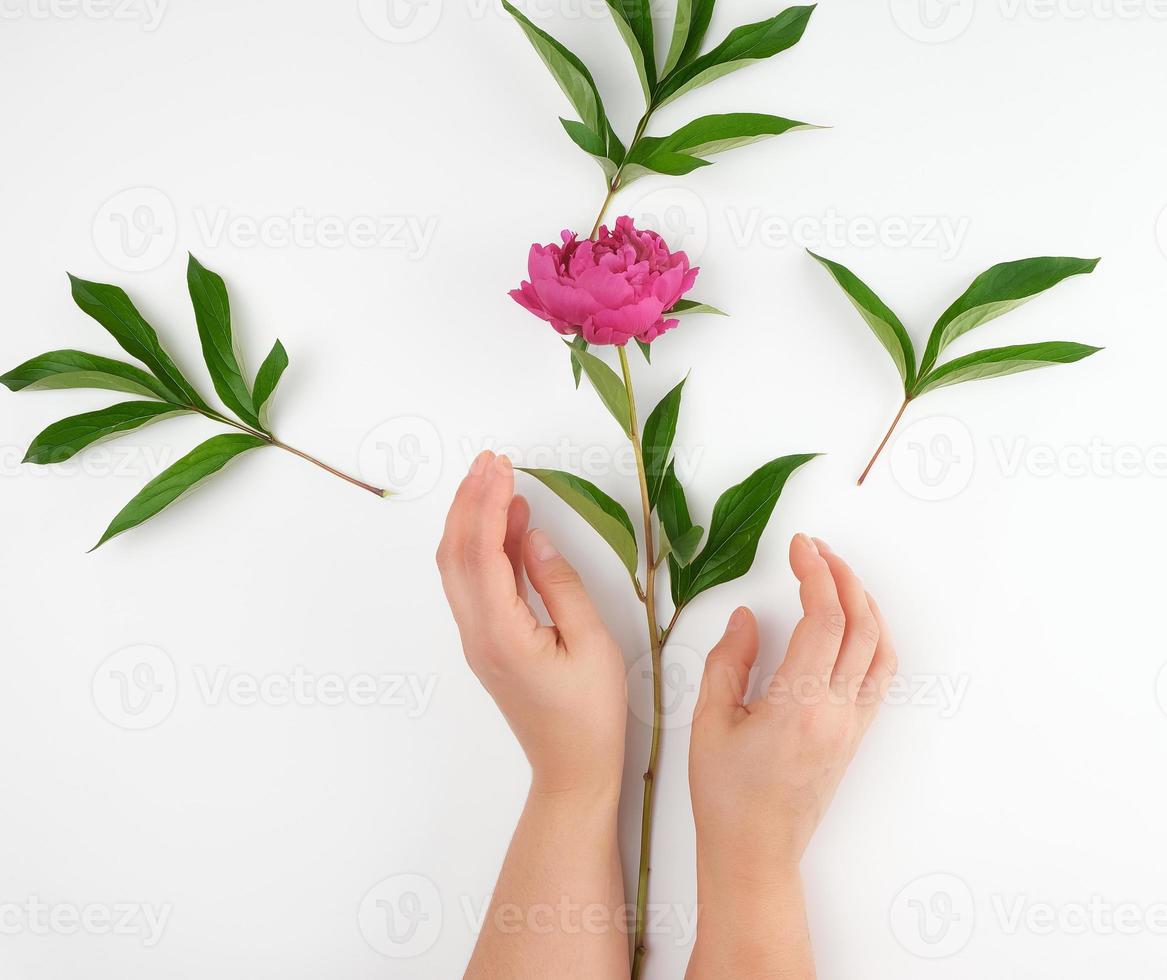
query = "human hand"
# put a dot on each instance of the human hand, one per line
(762, 774)
(560, 687)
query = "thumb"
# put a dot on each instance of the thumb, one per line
(561, 589)
(727, 668)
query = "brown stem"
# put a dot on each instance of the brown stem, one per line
(273, 441)
(890, 430)
(335, 472)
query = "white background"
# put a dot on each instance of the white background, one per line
(1031, 593)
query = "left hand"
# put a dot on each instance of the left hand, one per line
(560, 687)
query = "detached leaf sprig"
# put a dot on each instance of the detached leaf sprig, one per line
(993, 293)
(163, 392)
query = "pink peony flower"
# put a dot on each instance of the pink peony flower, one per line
(609, 290)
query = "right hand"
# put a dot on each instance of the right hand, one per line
(762, 774)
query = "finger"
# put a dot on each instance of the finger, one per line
(561, 589)
(450, 556)
(489, 570)
(518, 517)
(814, 645)
(727, 668)
(884, 666)
(477, 574)
(861, 634)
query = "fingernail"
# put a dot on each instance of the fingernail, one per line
(480, 462)
(737, 620)
(807, 542)
(823, 547)
(542, 547)
(502, 465)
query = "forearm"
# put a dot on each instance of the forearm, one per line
(750, 928)
(558, 907)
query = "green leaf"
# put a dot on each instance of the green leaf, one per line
(63, 440)
(659, 431)
(591, 144)
(650, 156)
(595, 507)
(999, 361)
(1002, 288)
(634, 21)
(111, 307)
(676, 525)
(739, 519)
(883, 322)
(707, 135)
(578, 343)
(178, 480)
(608, 386)
(685, 306)
(268, 376)
(575, 81)
(212, 308)
(645, 349)
(76, 369)
(689, 29)
(684, 549)
(743, 46)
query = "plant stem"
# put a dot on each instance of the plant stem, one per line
(890, 430)
(614, 184)
(273, 441)
(328, 469)
(656, 645)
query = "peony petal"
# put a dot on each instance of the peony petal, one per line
(566, 302)
(526, 297)
(609, 290)
(656, 330)
(628, 321)
(669, 287)
(543, 262)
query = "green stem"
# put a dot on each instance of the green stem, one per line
(614, 184)
(271, 440)
(656, 641)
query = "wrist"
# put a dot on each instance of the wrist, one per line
(751, 923)
(746, 884)
(767, 865)
(582, 796)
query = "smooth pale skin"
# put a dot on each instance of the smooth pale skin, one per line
(558, 909)
(763, 773)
